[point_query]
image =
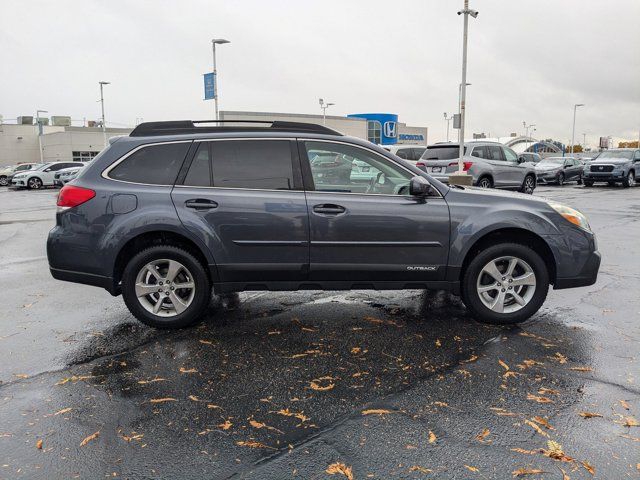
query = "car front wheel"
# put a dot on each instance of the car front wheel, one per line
(4, 181)
(630, 180)
(529, 185)
(560, 179)
(34, 183)
(166, 287)
(505, 284)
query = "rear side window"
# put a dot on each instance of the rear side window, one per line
(258, 164)
(495, 152)
(199, 174)
(443, 153)
(155, 164)
(478, 152)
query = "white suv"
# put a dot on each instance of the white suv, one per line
(41, 176)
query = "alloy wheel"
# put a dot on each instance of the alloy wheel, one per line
(631, 179)
(561, 179)
(35, 183)
(165, 287)
(529, 185)
(4, 182)
(506, 284)
(484, 183)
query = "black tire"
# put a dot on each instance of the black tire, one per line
(588, 183)
(629, 180)
(484, 182)
(560, 179)
(579, 181)
(611, 184)
(471, 297)
(4, 181)
(528, 185)
(201, 298)
(34, 183)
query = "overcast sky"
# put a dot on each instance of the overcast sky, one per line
(529, 60)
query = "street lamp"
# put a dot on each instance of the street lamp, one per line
(38, 112)
(573, 132)
(466, 11)
(324, 107)
(214, 42)
(448, 119)
(104, 127)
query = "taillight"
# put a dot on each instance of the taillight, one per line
(71, 196)
(465, 165)
(421, 164)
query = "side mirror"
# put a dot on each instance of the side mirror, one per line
(48, 169)
(419, 186)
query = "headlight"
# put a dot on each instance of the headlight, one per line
(571, 214)
(617, 168)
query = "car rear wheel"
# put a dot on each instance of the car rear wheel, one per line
(505, 284)
(588, 183)
(630, 180)
(4, 181)
(560, 179)
(166, 287)
(485, 182)
(34, 183)
(529, 185)
(579, 181)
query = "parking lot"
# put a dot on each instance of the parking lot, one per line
(316, 385)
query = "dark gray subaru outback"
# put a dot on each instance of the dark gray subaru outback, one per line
(177, 208)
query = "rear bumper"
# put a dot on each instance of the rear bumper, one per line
(587, 275)
(86, 279)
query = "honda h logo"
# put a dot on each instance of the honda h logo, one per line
(390, 129)
(601, 168)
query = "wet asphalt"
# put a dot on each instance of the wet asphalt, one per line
(315, 385)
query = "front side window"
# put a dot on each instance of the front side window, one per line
(510, 155)
(255, 164)
(154, 165)
(494, 152)
(344, 168)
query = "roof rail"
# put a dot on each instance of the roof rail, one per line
(179, 127)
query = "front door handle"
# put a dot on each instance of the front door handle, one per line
(329, 209)
(200, 204)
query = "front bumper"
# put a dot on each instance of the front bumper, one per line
(19, 183)
(547, 177)
(614, 176)
(587, 276)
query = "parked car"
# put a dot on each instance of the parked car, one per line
(620, 165)
(491, 164)
(6, 173)
(413, 153)
(64, 176)
(559, 170)
(529, 157)
(41, 176)
(174, 209)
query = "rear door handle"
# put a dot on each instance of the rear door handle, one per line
(329, 209)
(201, 204)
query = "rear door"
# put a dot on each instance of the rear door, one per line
(371, 230)
(244, 199)
(515, 170)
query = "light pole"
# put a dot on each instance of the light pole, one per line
(324, 107)
(214, 42)
(104, 126)
(38, 112)
(573, 132)
(466, 11)
(447, 119)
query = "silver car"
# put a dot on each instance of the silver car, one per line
(491, 164)
(65, 175)
(559, 170)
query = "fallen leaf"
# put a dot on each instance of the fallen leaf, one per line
(418, 468)
(581, 369)
(438, 343)
(441, 404)
(93, 436)
(543, 422)
(535, 398)
(259, 425)
(503, 365)
(287, 413)
(226, 425)
(521, 472)
(624, 404)
(340, 469)
(502, 412)
(631, 422)
(163, 400)
(561, 358)
(64, 410)
(21, 375)
(535, 427)
(589, 414)
(317, 384)
(471, 469)
(564, 475)
(194, 398)
(527, 452)
(588, 467)
(376, 411)
(355, 350)
(211, 405)
(481, 436)
(188, 370)
(252, 444)
(554, 450)
(206, 342)
(144, 382)
(548, 391)
(39, 444)
(432, 437)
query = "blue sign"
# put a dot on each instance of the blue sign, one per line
(209, 86)
(381, 127)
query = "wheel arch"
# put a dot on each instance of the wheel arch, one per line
(512, 235)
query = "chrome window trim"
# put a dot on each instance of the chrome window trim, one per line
(106, 171)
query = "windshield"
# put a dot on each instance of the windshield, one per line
(442, 153)
(616, 154)
(552, 160)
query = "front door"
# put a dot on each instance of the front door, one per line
(364, 224)
(244, 199)
(516, 171)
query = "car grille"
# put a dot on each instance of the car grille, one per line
(601, 168)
